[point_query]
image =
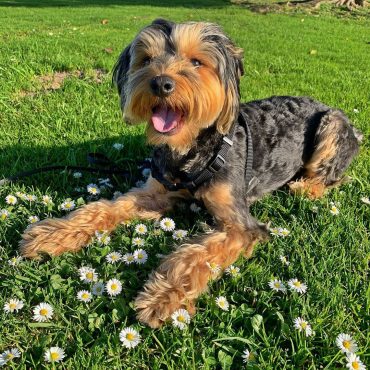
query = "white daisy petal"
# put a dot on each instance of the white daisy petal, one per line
(129, 337)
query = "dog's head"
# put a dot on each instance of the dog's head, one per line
(180, 78)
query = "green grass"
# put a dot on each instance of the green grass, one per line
(38, 127)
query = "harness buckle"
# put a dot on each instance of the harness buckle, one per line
(217, 164)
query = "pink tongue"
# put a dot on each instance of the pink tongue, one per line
(165, 119)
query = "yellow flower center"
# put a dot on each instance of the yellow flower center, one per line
(89, 275)
(297, 284)
(277, 285)
(85, 295)
(355, 365)
(54, 356)
(130, 258)
(114, 257)
(43, 311)
(303, 325)
(130, 336)
(181, 318)
(140, 256)
(346, 344)
(9, 356)
(114, 287)
(221, 303)
(12, 306)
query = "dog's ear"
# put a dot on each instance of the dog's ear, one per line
(230, 76)
(164, 24)
(120, 70)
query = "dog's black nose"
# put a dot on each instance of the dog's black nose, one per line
(162, 86)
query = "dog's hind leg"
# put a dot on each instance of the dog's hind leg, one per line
(336, 143)
(184, 274)
(56, 236)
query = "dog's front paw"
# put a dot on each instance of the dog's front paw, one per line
(51, 236)
(159, 301)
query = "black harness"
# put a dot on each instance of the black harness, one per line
(215, 164)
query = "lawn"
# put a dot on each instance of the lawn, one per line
(57, 104)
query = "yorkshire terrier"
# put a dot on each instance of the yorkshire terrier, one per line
(183, 80)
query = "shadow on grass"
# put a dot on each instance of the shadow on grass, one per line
(86, 3)
(19, 158)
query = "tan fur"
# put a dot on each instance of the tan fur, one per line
(309, 187)
(184, 274)
(327, 146)
(203, 86)
(70, 234)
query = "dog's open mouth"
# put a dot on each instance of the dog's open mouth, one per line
(166, 120)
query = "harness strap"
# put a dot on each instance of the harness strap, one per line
(215, 165)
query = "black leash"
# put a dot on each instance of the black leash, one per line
(93, 158)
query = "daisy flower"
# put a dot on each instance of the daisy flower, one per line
(233, 271)
(9, 355)
(46, 200)
(118, 146)
(43, 312)
(33, 219)
(222, 303)
(195, 208)
(4, 214)
(113, 287)
(113, 257)
(102, 237)
(98, 289)
(180, 318)
(277, 285)
(93, 189)
(68, 205)
(11, 199)
(179, 234)
(30, 197)
(302, 325)
(129, 337)
(54, 354)
(247, 356)
(365, 200)
(346, 343)
(315, 209)
(284, 232)
(84, 296)
(138, 242)
(354, 362)
(296, 285)
(157, 232)
(284, 260)
(128, 258)
(167, 224)
(334, 210)
(13, 304)
(140, 256)
(14, 261)
(77, 175)
(275, 231)
(88, 274)
(141, 229)
(214, 267)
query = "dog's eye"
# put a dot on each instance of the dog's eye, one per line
(146, 61)
(195, 62)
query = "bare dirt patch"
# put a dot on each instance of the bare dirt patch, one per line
(54, 81)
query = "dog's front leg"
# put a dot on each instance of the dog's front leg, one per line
(56, 236)
(184, 274)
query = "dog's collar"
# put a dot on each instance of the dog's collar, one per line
(215, 165)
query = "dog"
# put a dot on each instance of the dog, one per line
(183, 80)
